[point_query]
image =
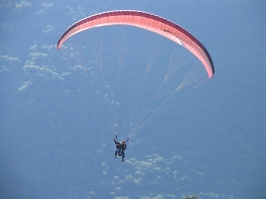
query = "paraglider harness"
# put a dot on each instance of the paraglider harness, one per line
(119, 152)
(119, 147)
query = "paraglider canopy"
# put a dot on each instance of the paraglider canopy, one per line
(149, 22)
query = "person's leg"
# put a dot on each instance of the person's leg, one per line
(123, 155)
(115, 153)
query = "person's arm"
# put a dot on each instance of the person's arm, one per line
(115, 139)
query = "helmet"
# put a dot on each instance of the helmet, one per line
(123, 141)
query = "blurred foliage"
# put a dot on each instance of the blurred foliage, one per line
(190, 197)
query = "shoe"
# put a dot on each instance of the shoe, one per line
(123, 160)
(115, 156)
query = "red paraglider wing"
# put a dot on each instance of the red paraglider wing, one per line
(146, 21)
